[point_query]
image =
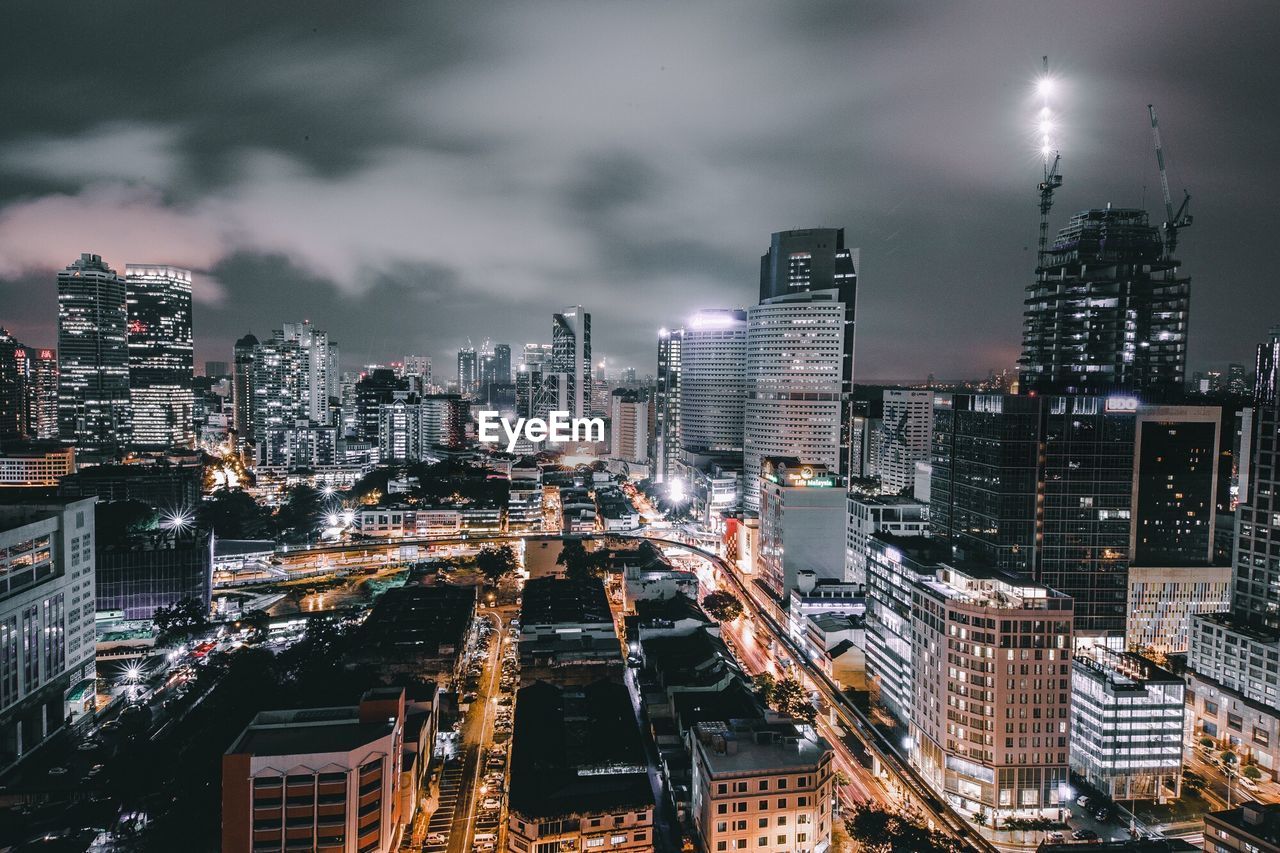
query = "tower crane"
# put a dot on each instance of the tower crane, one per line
(1173, 220)
(1052, 160)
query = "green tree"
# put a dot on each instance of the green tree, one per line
(1208, 742)
(496, 563)
(766, 687)
(722, 606)
(300, 514)
(234, 514)
(1251, 772)
(116, 521)
(578, 562)
(841, 779)
(182, 619)
(874, 829)
(790, 698)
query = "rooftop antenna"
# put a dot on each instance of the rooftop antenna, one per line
(1049, 154)
(1172, 221)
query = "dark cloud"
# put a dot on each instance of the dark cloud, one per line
(413, 175)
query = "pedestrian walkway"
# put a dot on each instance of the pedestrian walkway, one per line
(442, 819)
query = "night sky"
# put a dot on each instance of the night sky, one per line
(409, 175)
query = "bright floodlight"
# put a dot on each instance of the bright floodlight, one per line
(348, 517)
(332, 519)
(178, 520)
(133, 672)
(676, 491)
(1044, 87)
(328, 490)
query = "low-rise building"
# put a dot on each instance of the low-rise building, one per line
(579, 775)
(814, 597)
(146, 571)
(1127, 717)
(1248, 828)
(317, 779)
(419, 631)
(567, 633)
(393, 522)
(37, 466)
(165, 486)
(524, 508)
(761, 786)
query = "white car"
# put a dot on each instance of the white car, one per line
(490, 803)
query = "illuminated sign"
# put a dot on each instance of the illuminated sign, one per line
(1122, 404)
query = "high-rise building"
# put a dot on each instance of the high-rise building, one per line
(376, 388)
(629, 425)
(907, 436)
(528, 389)
(46, 622)
(869, 515)
(411, 427)
(215, 369)
(318, 379)
(795, 356)
(1175, 485)
(569, 378)
(1107, 311)
(93, 357)
(242, 391)
(468, 371)
(802, 524)
(14, 414)
(501, 364)
(713, 383)
(161, 356)
(815, 259)
(667, 405)
(418, 366)
(41, 374)
(536, 354)
(1235, 655)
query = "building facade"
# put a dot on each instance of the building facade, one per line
(802, 516)
(161, 356)
(667, 404)
(93, 358)
(153, 570)
(907, 426)
(629, 425)
(47, 650)
(867, 516)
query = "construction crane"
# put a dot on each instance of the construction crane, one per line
(1052, 177)
(1173, 221)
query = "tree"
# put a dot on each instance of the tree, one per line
(234, 514)
(116, 521)
(1251, 772)
(299, 515)
(496, 563)
(182, 619)
(1208, 742)
(1229, 759)
(980, 817)
(791, 699)
(722, 606)
(578, 562)
(766, 686)
(888, 832)
(841, 779)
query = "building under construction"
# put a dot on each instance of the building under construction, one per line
(1108, 310)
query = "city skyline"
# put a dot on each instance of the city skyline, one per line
(249, 190)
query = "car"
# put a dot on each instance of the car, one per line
(437, 838)
(490, 803)
(57, 771)
(1082, 800)
(89, 745)
(1084, 835)
(1053, 837)
(1102, 815)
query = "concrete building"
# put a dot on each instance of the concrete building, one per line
(36, 466)
(93, 358)
(297, 444)
(1248, 828)
(991, 703)
(579, 773)
(163, 485)
(811, 260)
(46, 622)
(324, 778)
(802, 520)
(161, 356)
(761, 786)
(1162, 601)
(795, 359)
(908, 436)
(412, 428)
(1126, 725)
(567, 633)
(667, 404)
(629, 425)
(567, 378)
(868, 515)
(420, 631)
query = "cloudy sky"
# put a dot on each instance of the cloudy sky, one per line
(413, 174)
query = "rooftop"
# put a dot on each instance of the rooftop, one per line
(756, 746)
(423, 618)
(577, 751)
(1257, 819)
(673, 609)
(307, 731)
(564, 601)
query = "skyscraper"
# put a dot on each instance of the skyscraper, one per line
(568, 379)
(41, 373)
(795, 352)
(468, 371)
(242, 393)
(93, 357)
(813, 259)
(667, 404)
(161, 356)
(907, 435)
(1107, 310)
(502, 364)
(13, 391)
(713, 384)
(318, 379)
